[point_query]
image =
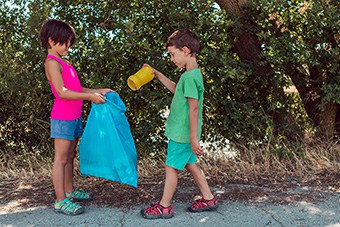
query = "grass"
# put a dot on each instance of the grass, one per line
(308, 163)
(25, 180)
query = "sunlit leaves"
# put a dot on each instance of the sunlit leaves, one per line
(115, 38)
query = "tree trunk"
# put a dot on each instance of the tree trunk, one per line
(327, 120)
(337, 123)
(310, 99)
(247, 47)
(233, 6)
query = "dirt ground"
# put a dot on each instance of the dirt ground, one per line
(32, 192)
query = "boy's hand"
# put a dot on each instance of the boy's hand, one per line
(154, 71)
(196, 148)
(169, 84)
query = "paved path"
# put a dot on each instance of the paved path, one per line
(323, 213)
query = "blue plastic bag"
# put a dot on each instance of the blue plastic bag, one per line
(107, 149)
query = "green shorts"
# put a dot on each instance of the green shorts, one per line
(179, 155)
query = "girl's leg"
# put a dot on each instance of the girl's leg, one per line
(61, 155)
(200, 180)
(69, 168)
(170, 185)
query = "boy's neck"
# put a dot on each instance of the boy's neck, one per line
(191, 64)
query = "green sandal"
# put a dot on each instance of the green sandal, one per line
(79, 195)
(68, 207)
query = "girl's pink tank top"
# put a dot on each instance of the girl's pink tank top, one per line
(66, 109)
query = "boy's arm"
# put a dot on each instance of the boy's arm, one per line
(193, 118)
(53, 74)
(169, 84)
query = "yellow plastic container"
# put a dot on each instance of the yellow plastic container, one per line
(143, 76)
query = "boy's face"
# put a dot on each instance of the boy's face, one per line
(178, 56)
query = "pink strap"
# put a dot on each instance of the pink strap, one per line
(56, 58)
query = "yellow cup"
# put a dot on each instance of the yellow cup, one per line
(143, 76)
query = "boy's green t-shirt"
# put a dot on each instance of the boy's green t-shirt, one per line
(190, 85)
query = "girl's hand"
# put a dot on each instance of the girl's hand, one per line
(195, 146)
(104, 91)
(97, 98)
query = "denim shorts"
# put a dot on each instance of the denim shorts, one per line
(179, 155)
(63, 129)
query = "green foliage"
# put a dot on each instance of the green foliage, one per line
(302, 35)
(115, 38)
(24, 98)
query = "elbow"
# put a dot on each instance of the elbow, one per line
(61, 92)
(194, 111)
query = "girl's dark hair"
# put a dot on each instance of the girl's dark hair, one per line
(59, 31)
(184, 38)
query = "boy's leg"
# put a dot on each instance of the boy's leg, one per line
(209, 201)
(69, 168)
(171, 179)
(163, 209)
(200, 180)
(62, 149)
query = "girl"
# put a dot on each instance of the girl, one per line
(66, 121)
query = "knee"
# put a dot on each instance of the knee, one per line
(71, 157)
(170, 169)
(60, 161)
(63, 160)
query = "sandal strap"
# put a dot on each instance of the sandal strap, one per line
(200, 203)
(158, 209)
(68, 206)
(154, 209)
(61, 203)
(78, 194)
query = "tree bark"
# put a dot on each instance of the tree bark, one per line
(337, 123)
(247, 47)
(327, 120)
(233, 6)
(310, 98)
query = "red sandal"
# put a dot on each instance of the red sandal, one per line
(157, 211)
(202, 204)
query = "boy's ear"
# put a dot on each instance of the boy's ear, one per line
(186, 50)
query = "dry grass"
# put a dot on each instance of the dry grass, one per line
(258, 164)
(252, 165)
(23, 180)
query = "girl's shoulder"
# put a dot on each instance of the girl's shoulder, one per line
(51, 62)
(52, 65)
(60, 60)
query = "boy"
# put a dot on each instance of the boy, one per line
(183, 127)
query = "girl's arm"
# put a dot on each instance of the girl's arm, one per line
(169, 84)
(53, 73)
(102, 91)
(193, 118)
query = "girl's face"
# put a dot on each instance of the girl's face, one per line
(178, 56)
(62, 49)
(59, 49)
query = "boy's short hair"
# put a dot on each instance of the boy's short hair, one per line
(59, 31)
(184, 38)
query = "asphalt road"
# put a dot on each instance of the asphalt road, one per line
(302, 213)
